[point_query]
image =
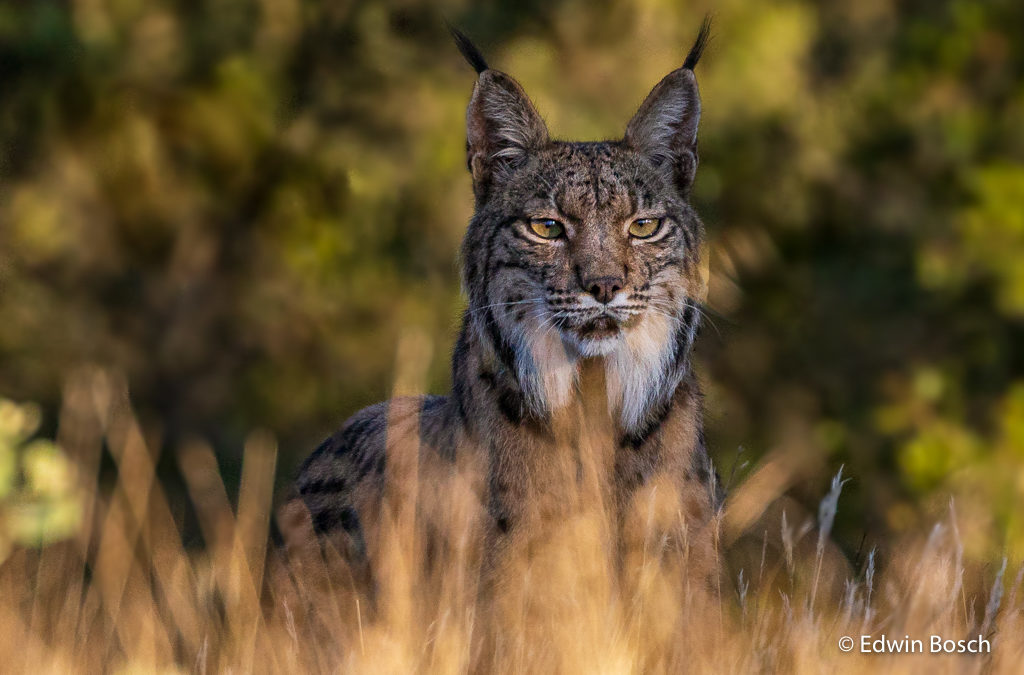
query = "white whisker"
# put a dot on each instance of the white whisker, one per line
(474, 310)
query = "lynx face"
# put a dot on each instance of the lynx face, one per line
(599, 247)
(584, 250)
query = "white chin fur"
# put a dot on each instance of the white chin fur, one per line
(597, 347)
(636, 367)
(637, 372)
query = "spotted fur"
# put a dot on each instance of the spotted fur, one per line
(551, 322)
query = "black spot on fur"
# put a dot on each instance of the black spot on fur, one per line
(640, 435)
(326, 520)
(323, 485)
(512, 406)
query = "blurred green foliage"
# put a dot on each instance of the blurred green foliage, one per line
(39, 502)
(241, 204)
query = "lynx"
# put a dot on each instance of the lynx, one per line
(572, 372)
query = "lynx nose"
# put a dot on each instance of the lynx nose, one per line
(604, 288)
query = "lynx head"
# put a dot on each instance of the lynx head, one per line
(584, 250)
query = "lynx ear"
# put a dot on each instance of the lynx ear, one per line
(502, 125)
(665, 127)
(502, 128)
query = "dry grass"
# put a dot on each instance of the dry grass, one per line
(125, 594)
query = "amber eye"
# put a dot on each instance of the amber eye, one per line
(546, 228)
(643, 228)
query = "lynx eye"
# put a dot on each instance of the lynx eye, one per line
(644, 228)
(546, 228)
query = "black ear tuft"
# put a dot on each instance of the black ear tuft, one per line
(698, 47)
(468, 49)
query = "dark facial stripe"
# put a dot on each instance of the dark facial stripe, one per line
(505, 351)
(532, 270)
(682, 336)
(595, 179)
(687, 237)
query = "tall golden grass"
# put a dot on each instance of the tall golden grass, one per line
(126, 595)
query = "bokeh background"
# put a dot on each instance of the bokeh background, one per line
(243, 205)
